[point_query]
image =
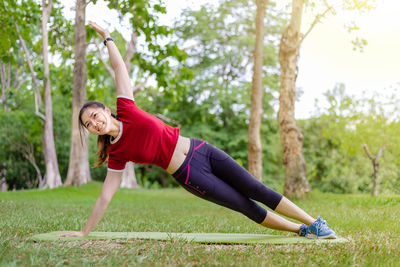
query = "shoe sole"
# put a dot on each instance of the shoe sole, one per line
(313, 236)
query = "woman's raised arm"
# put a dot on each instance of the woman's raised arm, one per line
(122, 80)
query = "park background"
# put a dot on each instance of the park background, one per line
(191, 64)
(193, 68)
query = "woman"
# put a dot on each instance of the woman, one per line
(202, 169)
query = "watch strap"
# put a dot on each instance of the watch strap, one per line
(107, 39)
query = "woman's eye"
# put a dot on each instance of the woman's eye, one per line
(95, 115)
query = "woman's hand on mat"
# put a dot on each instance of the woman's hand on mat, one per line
(104, 33)
(80, 233)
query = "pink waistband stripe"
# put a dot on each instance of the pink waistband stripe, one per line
(199, 145)
(187, 165)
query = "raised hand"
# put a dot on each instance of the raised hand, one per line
(104, 33)
(122, 79)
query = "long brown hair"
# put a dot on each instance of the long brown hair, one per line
(103, 141)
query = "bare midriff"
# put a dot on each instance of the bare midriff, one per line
(179, 155)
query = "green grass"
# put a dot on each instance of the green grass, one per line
(371, 223)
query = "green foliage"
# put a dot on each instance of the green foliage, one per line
(24, 15)
(220, 40)
(333, 143)
(23, 129)
(356, 217)
(202, 68)
(158, 52)
(213, 115)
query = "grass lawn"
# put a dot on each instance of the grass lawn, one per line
(371, 223)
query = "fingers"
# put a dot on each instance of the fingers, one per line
(64, 235)
(70, 234)
(96, 27)
(99, 29)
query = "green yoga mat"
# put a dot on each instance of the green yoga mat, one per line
(215, 238)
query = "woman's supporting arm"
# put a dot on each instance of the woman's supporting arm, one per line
(110, 186)
(122, 80)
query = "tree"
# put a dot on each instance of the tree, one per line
(220, 41)
(78, 169)
(38, 97)
(255, 148)
(12, 75)
(24, 44)
(376, 131)
(343, 132)
(296, 183)
(375, 166)
(52, 176)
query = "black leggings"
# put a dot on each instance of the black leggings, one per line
(211, 174)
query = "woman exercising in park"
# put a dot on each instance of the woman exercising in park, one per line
(202, 169)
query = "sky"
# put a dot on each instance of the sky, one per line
(326, 55)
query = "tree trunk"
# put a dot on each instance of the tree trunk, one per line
(374, 191)
(78, 168)
(28, 152)
(3, 182)
(130, 51)
(375, 166)
(3, 185)
(129, 177)
(3, 85)
(38, 97)
(255, 147)
(52, 176)
(296, 183)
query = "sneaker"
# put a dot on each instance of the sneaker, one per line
(303, 230)
(320, 229)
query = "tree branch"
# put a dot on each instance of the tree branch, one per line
(88, 2)
(140, 86)
(380, 152)
(3, 76)
(16, 75)
(3, 85)
(17, 87)
(165, 118)
(191, 46)
(28, 153)
(316, 20)
(38, 98)
(48, 8)
(9, 74)
(381, 149)
(367, 151)
(130, 51)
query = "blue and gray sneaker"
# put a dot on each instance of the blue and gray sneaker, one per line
(303, 230)
(320, 229)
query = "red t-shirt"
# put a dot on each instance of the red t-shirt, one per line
(142, 138)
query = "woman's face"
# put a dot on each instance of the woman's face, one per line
(97, 120)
